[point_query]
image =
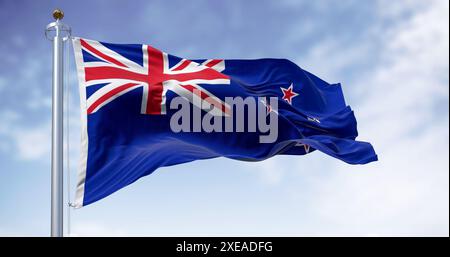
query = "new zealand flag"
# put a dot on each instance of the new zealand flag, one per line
(143, 109)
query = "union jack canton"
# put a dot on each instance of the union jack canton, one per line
(154, 75)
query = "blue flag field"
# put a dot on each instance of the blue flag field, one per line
(143, 109)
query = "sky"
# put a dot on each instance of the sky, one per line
(390, 56)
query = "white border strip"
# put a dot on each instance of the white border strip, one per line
(79, 194)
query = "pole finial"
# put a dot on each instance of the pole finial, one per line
(58, 14)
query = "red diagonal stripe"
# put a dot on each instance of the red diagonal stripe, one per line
(102, 55)
(213, 62)
(206, 97)
(108, 95)
(183, 65)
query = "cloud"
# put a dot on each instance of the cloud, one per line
(25, 124)
(2, 83)
(405, 193)
(397, 82)
(33, 143)
(268, 172)
(27, 143)
(395, 74)
(6, 119)
(401, 104)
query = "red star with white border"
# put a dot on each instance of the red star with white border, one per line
(288, 93)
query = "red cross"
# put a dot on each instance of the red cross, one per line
(154, 79)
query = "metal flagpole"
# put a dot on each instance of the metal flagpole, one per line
(58, 33)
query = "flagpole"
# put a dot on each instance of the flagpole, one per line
(58, 33)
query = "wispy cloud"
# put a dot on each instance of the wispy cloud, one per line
(401, 100)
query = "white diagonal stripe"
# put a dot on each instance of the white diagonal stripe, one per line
(103, 49)
(104, 90)
(104, 81)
